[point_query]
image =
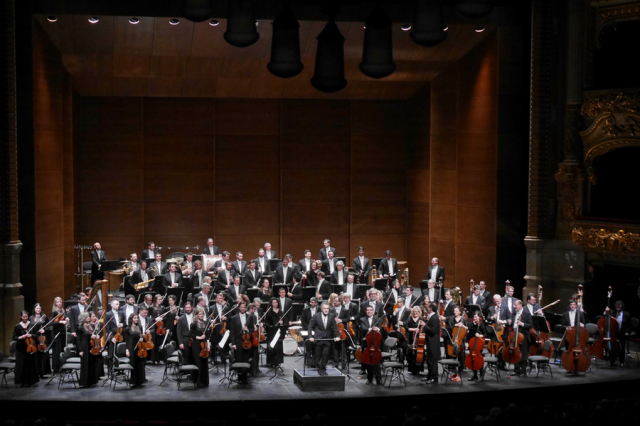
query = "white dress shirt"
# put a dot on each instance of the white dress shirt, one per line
(434, 273)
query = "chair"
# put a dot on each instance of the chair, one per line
(593, 333)
(397, 372)
(540, 362)
(557, 341)
(171, 364)
(387, 350)
(70, 358)
(70, 340)
(449, 368)
(68, 370)
(12, 351)
(6, 367)
(235, 368)
(120, 369)
(632, 336)
(185, 370)
(491, 365)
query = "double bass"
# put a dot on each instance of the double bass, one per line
(606, 347)
(511, 349)
(576, 357)
(371, 355)
(540, 337)
(475, 360)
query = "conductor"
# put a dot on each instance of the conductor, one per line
(323, 329)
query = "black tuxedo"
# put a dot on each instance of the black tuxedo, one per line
(123, 311)
(503, 314)
(235, 330)
(566, 320)
(323, 253)
(437, 294)
(345, 287)
(527, 341)
(324, 289)
(336, 275)
(137, 276)
(279, 277)
(267, 266)
(210, 298)
(480, 302)
(384, 268)
(148, 254)
(197, 276)
(239, 269)
(344, 315)
(167, 279)
(74, 313)
(232, 292)
(97, 258)
(406, 314)
(432, 335)
(162, 267)
(222, 282)
(439, 273)
(448, 311)
(360, 269)
(306, 316)
(372, 370)
(211, 250)
(110, 331)
(302, 265)
(536, 306)
(413, 303)
(287, 305)
(325, 266)
(273, 254)
(320, 332)
(378, 309)
(183, 336)
(488, 300)
(249, 281)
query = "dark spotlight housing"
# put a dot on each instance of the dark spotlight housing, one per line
(197, 10)
(285, 45)
(474, 8)
(329, 71)
(428, 23)
(93, 20)
(214, 22)
(134, 21)
(241, 23)
(174, 21)
(377, 51)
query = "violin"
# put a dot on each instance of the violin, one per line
(350, 330)
(246, 340)
(118, 335)
(96, 345)
(142, 352)
(475, 359)
(31, 346)
(606, 346)
(147, 342)
(341, 331)
(42, 343)
(160, 330)
(511, 350)
(576, 357)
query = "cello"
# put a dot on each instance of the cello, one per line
(457, 340)
(511, 350)
(575, 358)
(475, 360)
(606, 347)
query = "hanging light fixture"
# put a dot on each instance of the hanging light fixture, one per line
(197, 10)
(329, 71)
(377, 52)
(241, 23)
(428, 26)
(285, 45)
(474, 8)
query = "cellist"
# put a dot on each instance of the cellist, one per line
(432, 334)
(371, 323)
(524, 321)
(457, 320)
(569, 317)
(477, 328)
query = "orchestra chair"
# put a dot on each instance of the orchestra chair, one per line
(632, 336)
(491, 365)
(397, 372)
(557, 341)
(6, 367)
(70, 340)
(171, 364)
(185, 371)
(235, 368)
(449, 368)
(12, 351)
(70, 356)
(388, 348)
(593, 335)
(68, 370)
(121, 367)
(540, 362)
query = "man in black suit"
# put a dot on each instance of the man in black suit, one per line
(448, 304)
(435, 272)
(624, 327)
(285, 273)
(75, 312)
(340, 275)
(361, 266)
(432, 291)
(285, 305)
(349, 287)
(183, 331)
(323, 289)
(351, 308)
(322, 329)
(307, 314)
(187, 267)
(219, 265)
(399, 318)
(252, 276)
(150, 252)
(431, 330)
(509, 300)
(255, 312)
(225, 278)
(369, 323)
(173, 278)
(139, 276)
(475, 298)
(210, 248)
(499, 315)
(392, 295)
(305, 264)
(268, 253)
(522, 318)
(372, 301)
(97, 259)
(205, 292)
(262, 263)
(113, 319)
(411, 300)
(239, 265)
(201, 303)
(532, 305)
(324, 251)
(388, 267)
(128, 308)
(236, 289)
(240, 324)
(329, 265)
(487, 297)
(161, 267)
(197, 276)
(569, 317)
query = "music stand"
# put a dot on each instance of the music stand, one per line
(276, 289)
(472, 308)
(274, 263)
(308, 293)
(252, 293)
(540, 324)
(150, 261)
(361, 291)
(297, 309)
(143, 294)
(376, 262)
(336, 288)
(381, 284)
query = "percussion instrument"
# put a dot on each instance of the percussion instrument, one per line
(289, 346)
(294, 332)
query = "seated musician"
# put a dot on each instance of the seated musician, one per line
(340, 275)
(532, 305)
(323, 290)
(252, 277)
(368, 324)
(457, 320)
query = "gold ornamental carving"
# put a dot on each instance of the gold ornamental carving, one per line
(570, 178)
(601, 240)
(610, 13)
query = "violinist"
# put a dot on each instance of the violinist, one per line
(410, 300)
(129, 307)
(323, 328)
(88, 361)
(114, 320)
(394, 293)
(132, 336)
(59, 329)
(500, 318)
(448, 304)
(413, 326)
(204, 292)
(183, 330)
(242, 324)
(285, 305)
(524, 322)
(624, 321)
(158, 310)
(275, 321)
(257, 311)
(432, 332)
(201, 302)
(171, 318)
(26, 372)
(42, 358)
(370, 323)
(219, 314)
(252, 277)
(97, 326)
(569, 317)
(532, 305)
(342, 317)
(75, 312)
(457, 320)
(197, 276)
(477, 328)
(199, 334)
(349, 306)
(323, 289)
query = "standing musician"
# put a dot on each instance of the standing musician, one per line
(225, 278)
(487, 298)
(270, 254)
(413, 326)
(219, 265)
(457, 320)
(158, 309)
(275, 321)
(133, 264)
(140, 275)
(197, 276)
(285, 273)
(236, 289)
(219, 313)
(524, 322)
(340, 275)
(308, 313)
(312, 275)
(97, 327)
(393, 294)
(262, 263)
(205, 290)
(372, 301)
(256, 313)
(448, 303)
(499, 315)
(329, 265)
(409, 299)
(187, 267)
(532, 305)
(252, 277)
(431, 290)
(241, 324)
(147, 302)
(88, 361)
(624, 321)
(361, 266)
(150, 252)
(114, 320)
(161, 267)
(323, 288)
(432, 335)
(569, 317)
(285, 305)
(39, 320)
(370, 323)
(183, 330)
(170, 320)
(98, 257)
(350, 307)
(173, 278)
(26, 370)
(210, 248)
(305, 264)
(509, 300)
(75, 312)
(129, 307)
(132, 336)
(477, 328)
(265, 291)
(342, 316)
(199, 334)
(59, 329)
(349, 287)
(388, 267)
(435, 272)
(239, 265)
(201, 302)
(322, 328)
(399, 318)
(475, 298)
(324, 251)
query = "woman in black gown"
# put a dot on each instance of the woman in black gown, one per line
(477, 328)
(39, 320)
(59, 329)
(414, 324)
(312, 276)
(264, 291)
(133, 336)
(199, 334)
(99, 358)
(273, 321)
(154, 313)
(171, 319)
(26, 373)
(457, 320)
(88, 361)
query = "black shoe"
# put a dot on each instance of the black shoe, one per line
(369, 382)
(473, 379)
(431, 381)
(481, 379)
(378, 382)
(322, 372)
(362, 372)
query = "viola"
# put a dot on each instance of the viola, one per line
(42, 343)
(256, 337)
(96, 345)
(118, 335)
(246, 340)
(223, 328)
(142, 352)
(148, 343)
(475, 359)
(606, 346)
(576, 358)
(160, 330)
(341, 331)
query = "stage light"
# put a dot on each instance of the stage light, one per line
(428, 23)
(473, 8)
(241, 23)
(406, 27)
(214, 22)
(479, 29)
(52, 18)
(256, 23)
(285, 45)
(377, 51)
(197, 10)
(174, 21)
(446, 28)
(93, 20)
(329, 71)
(134, 21)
